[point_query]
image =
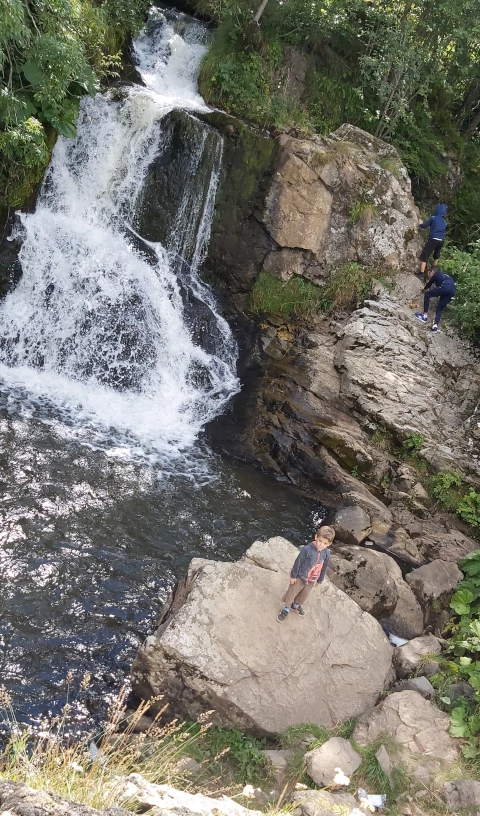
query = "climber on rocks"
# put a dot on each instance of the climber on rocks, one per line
(309, 569)
(436, 237)
(444, 290)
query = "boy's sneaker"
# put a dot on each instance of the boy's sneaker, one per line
(299, 609)
(282, 615)
(434, 327)
(421, 316)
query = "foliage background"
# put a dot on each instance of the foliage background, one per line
(409, 72)
(52, 52)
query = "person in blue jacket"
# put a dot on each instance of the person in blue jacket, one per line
(443, 289)
(436, 236)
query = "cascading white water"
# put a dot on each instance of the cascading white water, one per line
(93, 329)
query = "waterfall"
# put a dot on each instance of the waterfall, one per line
(95, 338)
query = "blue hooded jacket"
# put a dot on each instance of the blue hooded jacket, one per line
(437, 223)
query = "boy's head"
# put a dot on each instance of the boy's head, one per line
(324, 537)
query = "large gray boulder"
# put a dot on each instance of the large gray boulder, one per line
(220, 647)
(352, 524)
(374, 580)
(434, 583)
(421, 730)
(406, 620)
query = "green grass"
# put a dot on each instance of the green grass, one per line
(349, 285)
(363, 213)
(346, 288)
(296, 298)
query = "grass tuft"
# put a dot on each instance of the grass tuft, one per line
(297, 297)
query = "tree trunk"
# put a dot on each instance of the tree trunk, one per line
(468, 132)
(260, 10)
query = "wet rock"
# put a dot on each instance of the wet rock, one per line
(18, 799)
(323, 764)
(462, 793)
(420, 684)
(233, 657)
(421, 729)
(352, 525)
(416, 654)
(395, 540)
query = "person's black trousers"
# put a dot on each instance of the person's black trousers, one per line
(443, 299)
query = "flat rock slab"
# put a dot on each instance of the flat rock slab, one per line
(223, 649)
(17, 799)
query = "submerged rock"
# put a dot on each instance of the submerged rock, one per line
(220, 647)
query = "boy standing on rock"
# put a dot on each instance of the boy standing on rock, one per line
(309, 569)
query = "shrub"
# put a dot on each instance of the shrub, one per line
(248, 83)
(414, 442)
(51, 54)
(463, 663)
(465, 269)
(469, 508)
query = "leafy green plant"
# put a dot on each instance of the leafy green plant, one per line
(449, 488)
(52, 53)
(413, 442)
(244, 751)
(469, 508)
(465, 269)
(462, 658)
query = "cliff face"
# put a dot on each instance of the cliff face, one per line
(329, 402)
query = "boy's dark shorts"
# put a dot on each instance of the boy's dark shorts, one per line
(431, 246)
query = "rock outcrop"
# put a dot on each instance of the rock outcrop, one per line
(339, 199)
(330, 413)
(415, 724)
(220, 647)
